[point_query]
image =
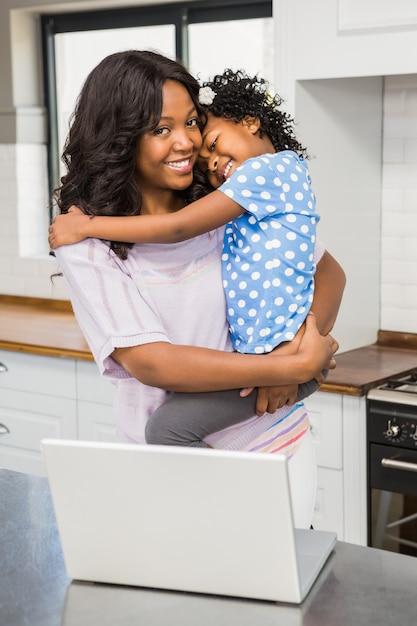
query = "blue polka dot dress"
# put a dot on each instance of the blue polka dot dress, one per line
(268, 267)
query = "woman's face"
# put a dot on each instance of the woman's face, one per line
(165, 157)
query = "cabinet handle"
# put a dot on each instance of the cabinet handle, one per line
(399, 465)
(3, 429)
(3, 368)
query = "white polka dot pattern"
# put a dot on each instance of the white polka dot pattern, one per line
(268, 267)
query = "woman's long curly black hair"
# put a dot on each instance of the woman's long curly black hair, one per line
(120, 100)
(239, 95)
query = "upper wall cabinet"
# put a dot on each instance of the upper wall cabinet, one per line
(343, 38)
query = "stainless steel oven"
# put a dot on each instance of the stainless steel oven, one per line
(392, 465)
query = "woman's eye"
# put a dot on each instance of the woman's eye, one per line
(161, 131)
(193, 122)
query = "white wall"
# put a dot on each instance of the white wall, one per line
(340, 122)
(399, 205)
(332, 59)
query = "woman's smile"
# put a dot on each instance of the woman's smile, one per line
(184, 165)
(167, 154)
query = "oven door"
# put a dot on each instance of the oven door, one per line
(393, 499)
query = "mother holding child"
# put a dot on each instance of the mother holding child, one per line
(147, 289)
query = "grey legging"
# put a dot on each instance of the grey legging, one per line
(184, 419)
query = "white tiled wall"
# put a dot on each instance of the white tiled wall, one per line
(25, 268)
(399, 205)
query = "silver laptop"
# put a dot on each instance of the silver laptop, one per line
(205, 521)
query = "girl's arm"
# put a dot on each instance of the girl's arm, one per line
(329, 285)
(330, 282)
(202, 216)
(192, 369)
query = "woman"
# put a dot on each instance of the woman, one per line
(154, 314)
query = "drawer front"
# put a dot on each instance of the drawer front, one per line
(37, 374)
(326, 424)
(27, 418)
(24, 461)
(91, 386)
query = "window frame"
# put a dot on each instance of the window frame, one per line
(179, 14)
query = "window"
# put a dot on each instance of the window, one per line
(207, 35)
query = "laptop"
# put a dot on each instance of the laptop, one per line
(177, 518)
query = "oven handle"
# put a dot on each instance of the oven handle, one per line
(399, 465)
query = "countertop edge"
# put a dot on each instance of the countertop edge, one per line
(58, 352)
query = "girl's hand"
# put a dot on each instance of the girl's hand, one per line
(313, 352)
(68, 228)
(269, 399)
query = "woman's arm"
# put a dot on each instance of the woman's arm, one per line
(330, 282)
(192, 369)
(202, 216)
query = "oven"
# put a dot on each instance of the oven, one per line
(392, 465)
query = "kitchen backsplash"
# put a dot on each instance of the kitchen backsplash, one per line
(399, 205)
(25, 267)
(27, 271)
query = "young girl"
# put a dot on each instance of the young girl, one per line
(251, 155)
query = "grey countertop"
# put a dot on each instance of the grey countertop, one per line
(357, 586)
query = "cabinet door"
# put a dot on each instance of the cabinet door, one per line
(96, 422)
(37, 401)
(328, 510)
(26, 419)
(326, 424)
(91, 386)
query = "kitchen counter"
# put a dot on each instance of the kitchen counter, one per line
(360, 370)
(41, 326)
(48, 327)
(358, 585)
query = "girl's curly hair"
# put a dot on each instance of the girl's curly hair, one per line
(238, 95)
(120, 100)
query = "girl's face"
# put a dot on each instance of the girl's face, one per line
(165, 157)
(227, 144)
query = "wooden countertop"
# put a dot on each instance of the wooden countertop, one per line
(48, 327)
(360, 370)
(40, 326)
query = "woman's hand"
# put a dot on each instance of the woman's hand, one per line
(68, 228)
(316, 351)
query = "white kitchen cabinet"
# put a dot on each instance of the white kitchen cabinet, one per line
(37, 400)
(325, 414)
(328, 510)
(338, 426)
(42, 397)
(96, 421)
